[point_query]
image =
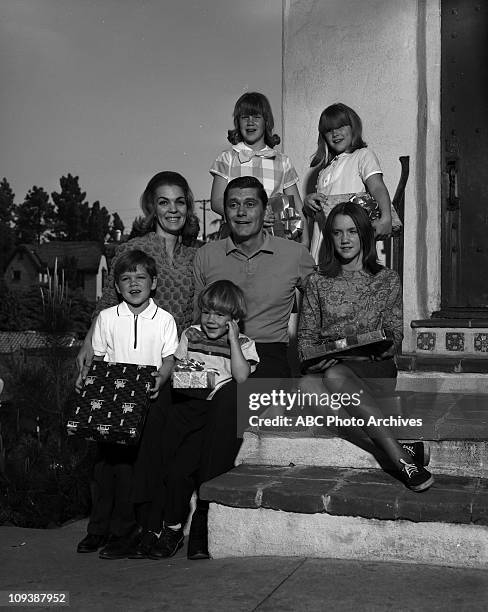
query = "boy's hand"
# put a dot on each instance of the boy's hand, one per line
(81, 377)
(158, 383)
(233, 332)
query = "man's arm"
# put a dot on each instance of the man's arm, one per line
(306, 265)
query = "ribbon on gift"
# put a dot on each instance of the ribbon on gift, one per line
(189, 365)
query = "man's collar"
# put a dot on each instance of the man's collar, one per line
(124, 311)
(267, 245)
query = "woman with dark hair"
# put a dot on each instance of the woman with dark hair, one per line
(171, 230)
(353, 294)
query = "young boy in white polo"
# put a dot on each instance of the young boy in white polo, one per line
(135, 331)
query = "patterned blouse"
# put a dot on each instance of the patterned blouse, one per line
(367, 301)
(176, 285)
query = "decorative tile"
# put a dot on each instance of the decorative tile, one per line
(455, 341)
(426, 341)
(481, 343)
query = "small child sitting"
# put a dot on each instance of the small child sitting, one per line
(187, 448)
(135, 331)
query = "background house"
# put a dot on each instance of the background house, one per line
(84, 265)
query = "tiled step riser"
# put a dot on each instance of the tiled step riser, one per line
(254, 532)
(451, 341)
(459, 458)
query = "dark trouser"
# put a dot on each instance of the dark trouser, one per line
(273, 360)
(112, 506)
(202, 437)
(202, 443)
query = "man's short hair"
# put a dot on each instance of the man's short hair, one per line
(247, 182)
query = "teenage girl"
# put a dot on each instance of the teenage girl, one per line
(353, 289)
(346, 166)
(253, 154)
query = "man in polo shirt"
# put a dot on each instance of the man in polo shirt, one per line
(267, 269)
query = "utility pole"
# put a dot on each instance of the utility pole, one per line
(204, 208)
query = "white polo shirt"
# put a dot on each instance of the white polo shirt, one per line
(144, 339)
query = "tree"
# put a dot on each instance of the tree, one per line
(7, 205)
(138, 227)
(73, 211)
(34, 218)
(7, 235)
(98, 222)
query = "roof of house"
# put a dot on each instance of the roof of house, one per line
(14, 341)
(87, 254)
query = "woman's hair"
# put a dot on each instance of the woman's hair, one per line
(329, 263)
(129, 261)
(224, 297)
(191, 228)
(336, 116)
(253, 103)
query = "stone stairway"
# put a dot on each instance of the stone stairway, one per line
(311, 492)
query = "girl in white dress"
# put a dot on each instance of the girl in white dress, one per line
(346, 166)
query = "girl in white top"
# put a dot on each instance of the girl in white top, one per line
(346, 166)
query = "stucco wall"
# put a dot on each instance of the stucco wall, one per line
(381, 57)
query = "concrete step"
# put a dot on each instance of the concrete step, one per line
(348, 514)
(455, 457)
(454, 425)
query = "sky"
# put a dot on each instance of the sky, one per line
(114, 91)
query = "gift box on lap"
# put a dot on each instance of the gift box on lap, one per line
(363, 345)
(190, 375)
(113, 403)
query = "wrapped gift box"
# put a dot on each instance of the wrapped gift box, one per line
(113, 403)
(363, 344)
(191, 374)
(369, 204)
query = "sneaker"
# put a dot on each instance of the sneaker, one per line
(141, 550)
(419, 451)
(415, 477)
(198, 538)
(170, 541)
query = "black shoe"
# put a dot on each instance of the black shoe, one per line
(198, 538)
(170, 541)
(91, 543)
(147, 541)
(415, 477)
(419, 451)
(120, 547)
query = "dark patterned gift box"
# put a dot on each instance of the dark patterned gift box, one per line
(356, 344)
(112, 404)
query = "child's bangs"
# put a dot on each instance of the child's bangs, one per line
(250, 107)
(216, 303)
(333, 120)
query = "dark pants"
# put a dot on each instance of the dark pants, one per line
(202, 436)
(112, 506)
